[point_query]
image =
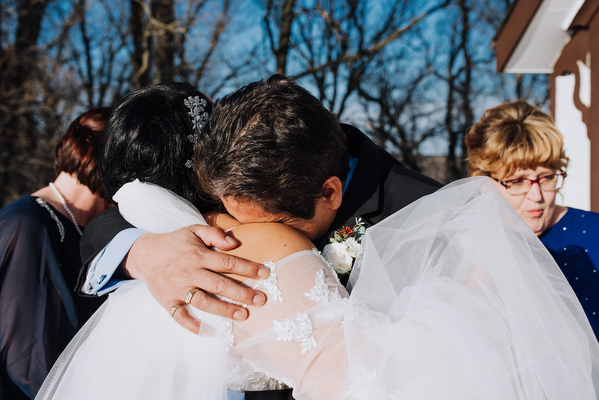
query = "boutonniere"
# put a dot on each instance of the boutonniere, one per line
(345, 247)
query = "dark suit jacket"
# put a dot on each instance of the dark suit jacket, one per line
(379, 187)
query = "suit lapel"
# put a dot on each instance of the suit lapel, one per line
(363, 193)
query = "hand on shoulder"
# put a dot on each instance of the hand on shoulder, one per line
(172, 264)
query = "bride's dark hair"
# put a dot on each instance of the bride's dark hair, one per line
(146, 138)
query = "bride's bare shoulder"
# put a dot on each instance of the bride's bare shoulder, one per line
(262, 241)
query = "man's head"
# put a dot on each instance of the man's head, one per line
(273, 146)
(148, 137)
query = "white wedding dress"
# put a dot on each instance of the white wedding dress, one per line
(454, 298)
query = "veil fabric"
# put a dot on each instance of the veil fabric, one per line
(453, 298)
(470, 295)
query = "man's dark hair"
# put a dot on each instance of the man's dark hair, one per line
(77, 151)
(272, 143)
(146, 138)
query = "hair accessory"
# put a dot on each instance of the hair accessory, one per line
(199, 118)
(199, 115)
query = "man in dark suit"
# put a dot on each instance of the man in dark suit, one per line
(380, 185)
(294, 157)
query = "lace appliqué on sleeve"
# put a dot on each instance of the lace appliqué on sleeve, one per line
(361, 385)
(328, 264)
(364, 387)
(226, 327)
(320, 293)
(270, 283)
(298, 329)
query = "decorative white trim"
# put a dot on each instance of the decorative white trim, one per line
(298, 329)
(270, 283)
(321, 293)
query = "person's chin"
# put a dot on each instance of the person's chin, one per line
(536, 226)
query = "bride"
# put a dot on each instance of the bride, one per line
(478, 310)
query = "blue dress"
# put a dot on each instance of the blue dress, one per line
(574, 244)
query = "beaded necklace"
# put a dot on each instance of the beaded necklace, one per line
(64, 204)
(43, 203)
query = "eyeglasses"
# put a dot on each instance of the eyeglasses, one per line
(548, 183)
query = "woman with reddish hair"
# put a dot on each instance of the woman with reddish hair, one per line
(40, 262)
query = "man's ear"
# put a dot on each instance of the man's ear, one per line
(332, 192)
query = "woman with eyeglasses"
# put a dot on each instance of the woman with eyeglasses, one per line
(519, 147)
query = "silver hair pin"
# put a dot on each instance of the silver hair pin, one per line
(199, 118)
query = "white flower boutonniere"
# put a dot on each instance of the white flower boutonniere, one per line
(345, 247)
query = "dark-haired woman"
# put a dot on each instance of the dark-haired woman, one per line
(40, 262)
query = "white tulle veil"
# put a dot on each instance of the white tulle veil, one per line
(520, 331)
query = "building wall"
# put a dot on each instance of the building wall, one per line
(568, 119)
(574, 95)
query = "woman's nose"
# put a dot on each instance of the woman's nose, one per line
(535, 192)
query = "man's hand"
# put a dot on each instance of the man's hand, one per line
(174, 263)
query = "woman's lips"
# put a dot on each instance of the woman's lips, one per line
(535, 213)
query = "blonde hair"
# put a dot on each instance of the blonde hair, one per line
(514, 136)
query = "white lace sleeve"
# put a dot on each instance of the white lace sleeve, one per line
(297, 337)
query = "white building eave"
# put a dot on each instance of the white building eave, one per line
(543, 41)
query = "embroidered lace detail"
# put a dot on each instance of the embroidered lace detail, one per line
(226, 325)
(365, 319)
(362, 381)
(364, 387)
(328, 264)
(320, 293)
(226, 328)
(270, 283)
(298, 329)
(242, 379)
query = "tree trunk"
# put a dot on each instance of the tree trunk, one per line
(163, 12)
(17, 94)
(282, 52)
(141, 52)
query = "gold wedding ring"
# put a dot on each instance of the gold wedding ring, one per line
(173, 309)
(190, 294)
